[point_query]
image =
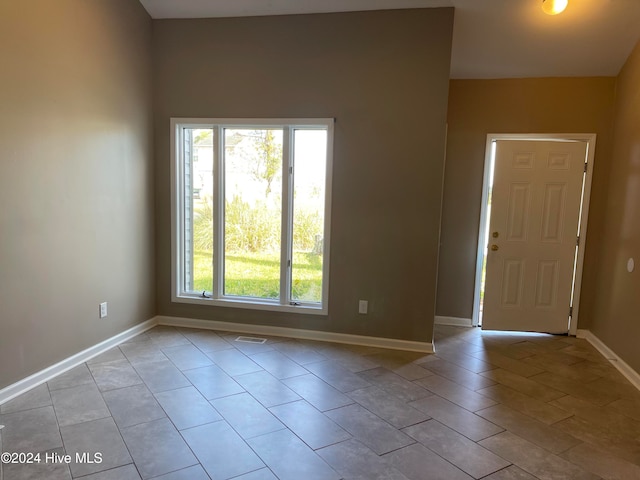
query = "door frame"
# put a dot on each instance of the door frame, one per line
(590, 140)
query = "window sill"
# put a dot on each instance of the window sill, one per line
(253, 304)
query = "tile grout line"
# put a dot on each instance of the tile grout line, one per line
(580, 364)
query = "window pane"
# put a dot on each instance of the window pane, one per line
(198, 215)
(310, 163)
(253, 212)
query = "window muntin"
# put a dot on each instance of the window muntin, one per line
(254, 194)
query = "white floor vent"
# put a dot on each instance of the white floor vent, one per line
(251, 340)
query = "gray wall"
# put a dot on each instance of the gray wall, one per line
(384, 76)
(76, 196)
(523, 105)
(617, 300)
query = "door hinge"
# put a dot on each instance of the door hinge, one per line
(291, 170)
(585, 167)
(571, 311)
(578, 240)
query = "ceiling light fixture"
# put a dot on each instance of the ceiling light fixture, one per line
(554, 7)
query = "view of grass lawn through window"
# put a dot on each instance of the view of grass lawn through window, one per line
(258, 274)
(252, 213)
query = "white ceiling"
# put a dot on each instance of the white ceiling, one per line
(491, 39)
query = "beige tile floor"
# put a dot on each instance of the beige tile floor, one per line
(180, 404)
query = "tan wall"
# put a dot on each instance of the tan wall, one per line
(617, 303)
(76, 197)
(533, 105)
(384, 77)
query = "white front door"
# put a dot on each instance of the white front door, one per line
(535, 209)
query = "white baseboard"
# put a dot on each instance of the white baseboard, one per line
(38, 378)
(391, 343)
(453, 321)
(20, 387)
(623, 367)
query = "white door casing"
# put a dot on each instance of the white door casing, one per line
(537, 191)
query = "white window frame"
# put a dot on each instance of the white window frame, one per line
(217, 298)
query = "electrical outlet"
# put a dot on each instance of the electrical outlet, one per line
(363, 306)
(103, 309)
